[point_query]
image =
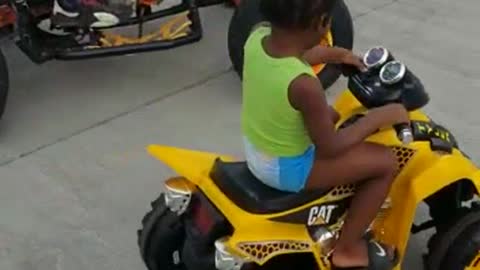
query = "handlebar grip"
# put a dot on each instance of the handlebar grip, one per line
(347, 70)
(404, 133)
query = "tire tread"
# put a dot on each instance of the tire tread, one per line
(155, 223)
(442, 246)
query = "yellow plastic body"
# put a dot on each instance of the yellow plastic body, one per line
(422, 175)
(475, 264)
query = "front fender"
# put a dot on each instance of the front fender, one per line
(447, 170)
(475, 178)
(413, 189)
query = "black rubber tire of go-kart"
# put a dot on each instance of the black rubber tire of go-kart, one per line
(456, 247)
(161, 238)
(4, 83)
(247, 15)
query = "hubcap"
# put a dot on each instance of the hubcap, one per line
(475, 263)
(327, 41)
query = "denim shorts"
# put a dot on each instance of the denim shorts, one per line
(282, 173)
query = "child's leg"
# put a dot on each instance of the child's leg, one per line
(372, 167)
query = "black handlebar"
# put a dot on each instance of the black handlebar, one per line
(347, 70)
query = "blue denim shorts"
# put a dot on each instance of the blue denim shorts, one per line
(283, 173)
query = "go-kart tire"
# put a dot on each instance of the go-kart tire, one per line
(457, 246)
(161, 238)
(4, 83)
(247, 15)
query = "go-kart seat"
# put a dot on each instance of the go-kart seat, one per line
(245, 190)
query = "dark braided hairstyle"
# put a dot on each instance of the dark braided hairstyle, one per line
(297, 14)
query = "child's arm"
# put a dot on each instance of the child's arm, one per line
(306, 95)
(334, 114)
(332, 55)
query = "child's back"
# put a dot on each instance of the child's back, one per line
(269, 121)
(278, 148)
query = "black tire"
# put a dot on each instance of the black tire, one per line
(457, 246)
(161, 238)
(247, 15)
(4, 83)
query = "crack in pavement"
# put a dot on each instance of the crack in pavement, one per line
(374, 9)
(146, 104)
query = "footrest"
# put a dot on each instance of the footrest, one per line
(183, 29)
(176, 28)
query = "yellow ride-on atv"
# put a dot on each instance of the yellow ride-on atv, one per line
(216, 215)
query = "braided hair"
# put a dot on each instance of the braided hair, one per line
(297, 14)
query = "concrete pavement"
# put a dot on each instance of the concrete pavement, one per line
(75, 179)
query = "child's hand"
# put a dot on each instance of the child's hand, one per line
(333, 55)
(349, 58)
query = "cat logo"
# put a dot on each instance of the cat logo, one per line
(320, 215)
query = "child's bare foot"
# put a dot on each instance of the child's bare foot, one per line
(357, 254)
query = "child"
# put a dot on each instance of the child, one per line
(289, 130)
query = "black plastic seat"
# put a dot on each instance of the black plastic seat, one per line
(246, 191)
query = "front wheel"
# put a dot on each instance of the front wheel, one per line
(458, 246)
(161, 238)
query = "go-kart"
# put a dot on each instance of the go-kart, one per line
(38, 35)
(216, 215)
(31, 24)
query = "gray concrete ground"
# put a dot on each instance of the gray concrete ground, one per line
(75, 179)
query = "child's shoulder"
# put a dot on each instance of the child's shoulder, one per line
(259, 31)
(253, 45)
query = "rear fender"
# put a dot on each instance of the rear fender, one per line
(193, 168)
(193, 165)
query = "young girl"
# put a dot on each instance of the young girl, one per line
(289, 129)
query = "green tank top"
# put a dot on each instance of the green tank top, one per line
(269, 121)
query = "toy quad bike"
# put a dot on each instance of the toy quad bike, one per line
(217, 215)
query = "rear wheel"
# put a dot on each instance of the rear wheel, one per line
(457, 247)
(161, 238)
(247, 16)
